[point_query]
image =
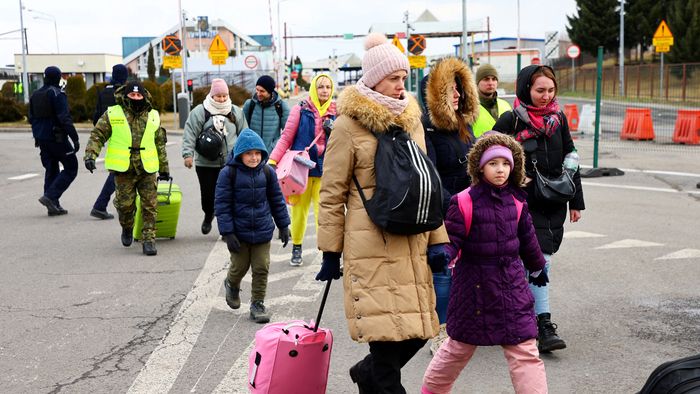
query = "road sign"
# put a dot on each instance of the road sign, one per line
(662, 37)
(417, 61)
(400, 34)
(348, 36)
(171, 45)
(551, 45)
(573, 51)
(218, 53)
(397, 44)
(250, 61)
(662, 48)
(294, 74)
(535, 60)
(416, 44)
(172, 61)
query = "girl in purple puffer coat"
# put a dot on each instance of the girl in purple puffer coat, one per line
(490, 301)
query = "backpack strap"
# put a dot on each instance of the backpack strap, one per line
(266, 170)
(464, 201)
(518, 207)
(251, 108)
(280, 112)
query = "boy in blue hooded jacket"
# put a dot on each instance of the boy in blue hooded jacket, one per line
(248, 198)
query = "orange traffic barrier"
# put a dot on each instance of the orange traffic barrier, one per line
(571, 113)
(687, 130)
(638, 125)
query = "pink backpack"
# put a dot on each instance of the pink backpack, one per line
(464, 201)
(293, 170)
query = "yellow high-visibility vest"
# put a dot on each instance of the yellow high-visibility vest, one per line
(119, 146)
(485, 121)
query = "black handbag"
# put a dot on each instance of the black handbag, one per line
(560, 189)
(209, 143)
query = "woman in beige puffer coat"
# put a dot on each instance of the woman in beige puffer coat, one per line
(389, 296)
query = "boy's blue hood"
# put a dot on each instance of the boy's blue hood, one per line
(247, 140)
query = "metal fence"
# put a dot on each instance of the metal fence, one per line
(654, 110)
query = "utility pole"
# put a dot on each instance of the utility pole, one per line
(25, 80)
(622, 48)
(408, 26)
(464, 30)
(182, 41)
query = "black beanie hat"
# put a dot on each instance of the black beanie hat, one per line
(134, 86)
(52, 75)
(119, 74)
(266, 82)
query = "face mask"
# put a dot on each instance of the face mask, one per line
(137, 105)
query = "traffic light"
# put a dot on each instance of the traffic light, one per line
(189, 85)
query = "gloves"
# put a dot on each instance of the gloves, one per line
(330, 267)
(438, 258)
(538, 278)
(284, 236)
(163, 176)
(76, 145)
(90, 165)
(232, 243)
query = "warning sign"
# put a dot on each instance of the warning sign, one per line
(395, 42)
(663, 39)
(218, 52)
(416, 44)
(172, 61)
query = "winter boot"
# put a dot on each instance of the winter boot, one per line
(51, 207)
(547, 338)
(104, 215)
(362, 376)
(296, 256)
(206, 224)
(232, 295)
(258, 313)
(149, 248)
(127, 236)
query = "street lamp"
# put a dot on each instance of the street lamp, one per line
(50, 18)
(278, 48)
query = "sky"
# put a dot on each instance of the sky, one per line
(95, 26)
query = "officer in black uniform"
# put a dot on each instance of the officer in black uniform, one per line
(105, 99)
(52, 127)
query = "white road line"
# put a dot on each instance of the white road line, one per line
(294, 271)
(100, 160)
(22, 177)
(581, 234)
(166, 361)
(629, 243)
(674, 173)
(643, 188)
(287, 254)
(681, 254)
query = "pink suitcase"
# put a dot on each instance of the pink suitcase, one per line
(291, 357)
(293, 170)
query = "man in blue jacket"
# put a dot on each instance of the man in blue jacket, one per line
(51, 127)
(266, 113)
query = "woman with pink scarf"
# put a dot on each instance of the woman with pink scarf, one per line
(540, 126)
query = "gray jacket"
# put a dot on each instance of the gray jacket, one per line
(195, 125)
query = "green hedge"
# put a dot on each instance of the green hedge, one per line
(77, 93)
(11, 110)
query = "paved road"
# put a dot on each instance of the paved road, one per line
(81, 313)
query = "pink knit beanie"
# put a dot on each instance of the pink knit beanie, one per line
(381, 59)
(218, 86)
(496, 151)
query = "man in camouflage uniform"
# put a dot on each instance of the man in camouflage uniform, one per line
(136, 151)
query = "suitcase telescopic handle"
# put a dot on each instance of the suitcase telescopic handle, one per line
(323, 304)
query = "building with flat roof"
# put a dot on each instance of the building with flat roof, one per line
(94, 67)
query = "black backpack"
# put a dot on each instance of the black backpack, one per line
(209, 142)
(680, 376)
(408, 193)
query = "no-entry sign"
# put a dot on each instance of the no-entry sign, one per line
(251, 61)
(573, 51)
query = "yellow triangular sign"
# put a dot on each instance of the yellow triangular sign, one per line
(217, 45)
(663, 31)
(397, 44)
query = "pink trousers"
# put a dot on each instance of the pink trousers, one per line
(526, 368)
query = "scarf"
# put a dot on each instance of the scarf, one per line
(543, 120)
(313, 94)
(395, 106)
(216, 108)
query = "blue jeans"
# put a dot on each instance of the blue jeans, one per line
(105, 194)
(56, 181)
(541, 294)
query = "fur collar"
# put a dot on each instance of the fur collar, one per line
(439, 94)
(375, 117)
(517, 176)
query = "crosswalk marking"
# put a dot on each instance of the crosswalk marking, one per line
(163, 366)
(22, 177)
(681, 254)
(581, 234)
(286, 254)
(629, 243)
(643, 188)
